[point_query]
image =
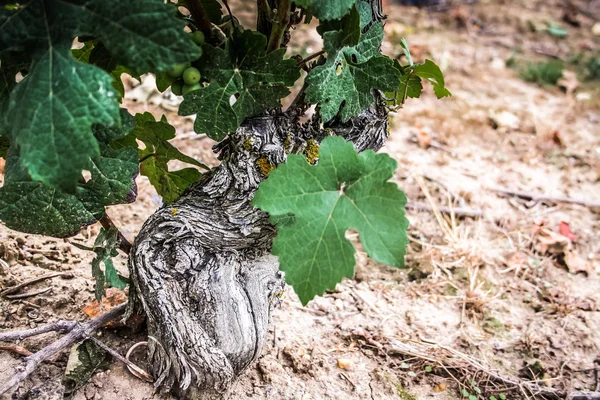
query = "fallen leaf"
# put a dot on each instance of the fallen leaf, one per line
(439, 388)
(565, 229)
(569, 82)
(576, 263)
(556, 137)
(424, 139)
(344, 363)
(552, 242)
(113, 298)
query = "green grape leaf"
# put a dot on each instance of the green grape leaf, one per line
(50, 113)
(213, 10)
(170, 185)
(105, 247)
(156, 155)
(366, 13)
(34, 207)
(10, 64)
(4, 146)
(432, 73)
(100, 57)
(243, 81)
(326, 9)
(349, 27)
(84, 360)
(350, 74)
(410, 85)
(406, 50)
(345, 190)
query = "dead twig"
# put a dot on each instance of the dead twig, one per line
(16, 349)
(134, 369)
(16, 288)
(77, 333)
(449, 358)
(28, 294)
(58, 326)
(436, 145)
(540, 197)
(459, 211)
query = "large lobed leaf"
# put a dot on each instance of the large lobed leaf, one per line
(35, 207)
(49, 115)
(243, 81)
(346, 81)
(344, 191)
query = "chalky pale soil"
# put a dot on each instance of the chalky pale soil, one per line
(506, 289)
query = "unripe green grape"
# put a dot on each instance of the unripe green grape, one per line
(177, 88)
(191, 76)
(190, 88)
(198, 37)
(177, 70)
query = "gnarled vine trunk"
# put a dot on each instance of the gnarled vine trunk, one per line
(201, 267)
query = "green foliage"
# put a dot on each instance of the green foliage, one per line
(411, 84)
(154, 158)
(326, 10)
(349, 75)
(84, 360)
(556, 30)
(50, 113)
(34, 207)
(344, 191)
(63, 118)
(242, 70)
(105, 248)
(543, 73)
(95, 53)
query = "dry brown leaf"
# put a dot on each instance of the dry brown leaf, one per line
(113, 298)
(439, 388)
(576, 263)
(424, 139)
(565, 229)
(344, 363)
(569, 82)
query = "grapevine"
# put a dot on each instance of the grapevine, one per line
(314, 175)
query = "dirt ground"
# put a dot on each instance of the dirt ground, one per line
(512, 292)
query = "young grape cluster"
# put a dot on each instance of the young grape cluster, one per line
(185, 78)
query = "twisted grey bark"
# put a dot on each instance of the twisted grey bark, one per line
(201, 267)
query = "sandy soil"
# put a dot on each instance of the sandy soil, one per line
(506, 291)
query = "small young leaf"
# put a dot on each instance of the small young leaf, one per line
(105, 248)
(431, 72)
(406, 51)
(344, 191)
